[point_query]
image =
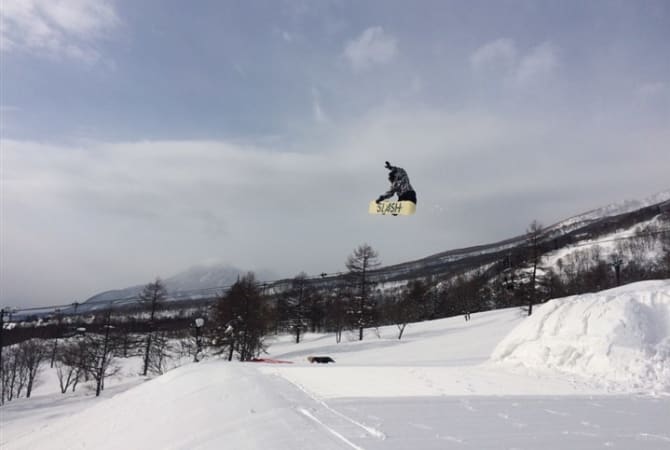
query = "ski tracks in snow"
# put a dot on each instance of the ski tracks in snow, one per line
(329, 429)
(369, 430)
(333, 421)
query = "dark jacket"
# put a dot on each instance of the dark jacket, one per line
(400, 185)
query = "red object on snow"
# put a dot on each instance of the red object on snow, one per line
(270, 361)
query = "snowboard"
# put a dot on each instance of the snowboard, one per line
(403, 208)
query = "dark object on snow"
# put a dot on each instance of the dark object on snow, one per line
(320, 359)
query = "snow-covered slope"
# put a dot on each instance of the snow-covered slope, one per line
(619, 338)
(546, 386)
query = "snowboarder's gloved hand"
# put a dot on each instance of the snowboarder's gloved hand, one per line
(380, 199)
(387, 165)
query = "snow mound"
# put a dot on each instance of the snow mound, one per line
(619, 338)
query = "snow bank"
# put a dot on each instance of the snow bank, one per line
(619, 338)
(209, 405)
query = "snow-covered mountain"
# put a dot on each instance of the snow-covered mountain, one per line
(210, 276)
(613, 209)
(196, 281)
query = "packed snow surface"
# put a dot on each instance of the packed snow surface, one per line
(584, 372)
(618, 338)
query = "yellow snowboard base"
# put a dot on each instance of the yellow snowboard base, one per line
(403, 208)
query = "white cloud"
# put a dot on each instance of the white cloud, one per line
(539, 62)
(499, 54)
(372, 47)
(56, 28)
(319, 115)
(502, 56)
(159, 206)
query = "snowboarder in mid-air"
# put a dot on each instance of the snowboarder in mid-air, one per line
(400, 185)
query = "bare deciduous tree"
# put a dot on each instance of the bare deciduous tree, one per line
(152, 295)
(403, 310)
(14, 374)
(533, 236)
(70, 364)
(98, 358)
(161, 350)
(21, 368)
(298, 300)
(336, 311)
(360, 263)
(33, 353)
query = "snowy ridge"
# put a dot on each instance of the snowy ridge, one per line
(619, 338)
(612, 209)
(478, 256)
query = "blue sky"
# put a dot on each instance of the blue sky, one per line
(140, 138)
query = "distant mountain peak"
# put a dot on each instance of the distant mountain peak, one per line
(199, 276)
(204, 276)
